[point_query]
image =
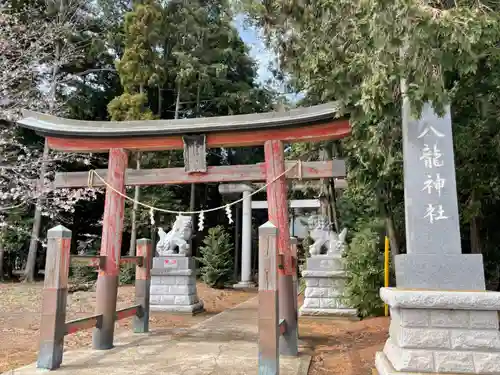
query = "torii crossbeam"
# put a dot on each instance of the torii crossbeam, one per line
(272, 130)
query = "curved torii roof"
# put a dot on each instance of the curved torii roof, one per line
(293, 125)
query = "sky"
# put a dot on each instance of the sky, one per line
(264, 58)
(254, 40)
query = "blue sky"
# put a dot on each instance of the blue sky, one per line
(253, 38)
(263, 57)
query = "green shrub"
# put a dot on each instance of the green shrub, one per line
(365, 270)
(216, 258)
(127, 274)
(81, 274)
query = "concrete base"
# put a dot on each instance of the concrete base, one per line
(173, 285)
(245, 285)
(443, 272)
(341, 313)
(441, 332)
(193, 309)
(325, 283)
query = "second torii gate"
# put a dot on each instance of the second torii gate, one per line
(271, 130)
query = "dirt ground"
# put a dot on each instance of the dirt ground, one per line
(341, 346)
(338, 347)
(20, 307)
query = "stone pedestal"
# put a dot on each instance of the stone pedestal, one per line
(445, 332)
(325, 282)
(173, 285)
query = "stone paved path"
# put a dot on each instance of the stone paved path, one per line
(225, 344)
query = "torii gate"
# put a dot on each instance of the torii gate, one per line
(272, 130)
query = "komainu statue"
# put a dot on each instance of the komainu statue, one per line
(325, 240)
(178, 238)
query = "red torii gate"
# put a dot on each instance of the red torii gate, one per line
(271, 130)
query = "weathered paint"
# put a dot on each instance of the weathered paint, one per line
(142, 284)
(128, 312)
(300, 133)
(138, 260)
(107, 282)
(295, 278)
(278, 215)
(268, 300)
(54, 296)
(313, 170)
(98, 261)
(282, 325)
(81, 324)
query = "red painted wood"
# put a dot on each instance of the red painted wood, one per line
(224, 173)
(132, 260)
(127, 312)
(304, 133)
(277, 199)
(278, 215)
(282, 326)
(54, 296)
(144, 249)
(114, 207)
(107, 281)
(81, 324)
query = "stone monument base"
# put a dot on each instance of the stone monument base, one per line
(441, 332)
(245, 285)
(325, 284)
(173, 285)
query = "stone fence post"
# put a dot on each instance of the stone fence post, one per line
(143, 284)
(54, 296)
(268, 300)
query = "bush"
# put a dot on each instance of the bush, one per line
(127, 274)
(365, 270)
(216, 258)
(81, 274)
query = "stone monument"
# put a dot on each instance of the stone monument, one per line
(324, 272)
(442, 319)
(173, 277)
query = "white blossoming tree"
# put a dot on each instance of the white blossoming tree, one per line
(35, 43)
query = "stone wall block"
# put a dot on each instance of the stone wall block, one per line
(409, 360)
(330, 303)
(315, 292)
(312, 282)
(449, 319)
(487, 363)
(484, 319)
(414, 318)
(185, 300)
(475, 339)
(185, 280)
(424, 338)
(461, 362)
(311, 302)
(326, 282)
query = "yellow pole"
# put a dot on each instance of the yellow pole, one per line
(386, 270)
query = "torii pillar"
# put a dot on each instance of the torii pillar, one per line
(278, 215)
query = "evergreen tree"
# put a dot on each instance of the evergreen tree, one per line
(216, 258)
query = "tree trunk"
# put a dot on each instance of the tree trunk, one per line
(475, 237)
(160, 102)
(137, 193)
(2, 253)
(326, 153)
(391, 233)
(29, 271)
(177, 101)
